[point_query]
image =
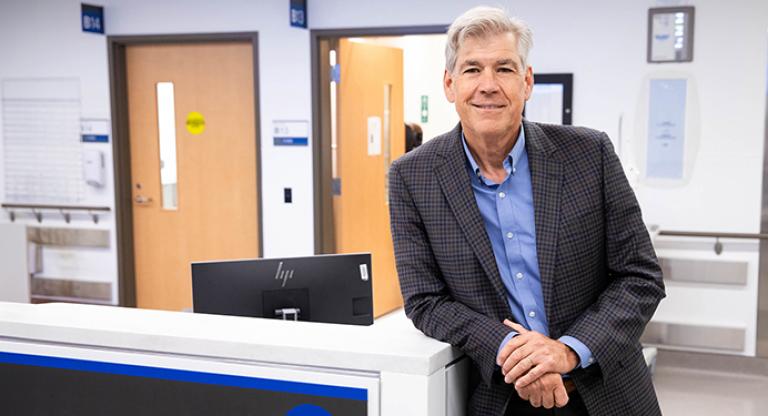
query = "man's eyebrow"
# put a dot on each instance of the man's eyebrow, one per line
(473, 62)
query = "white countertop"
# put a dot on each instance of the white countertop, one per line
(390, 344)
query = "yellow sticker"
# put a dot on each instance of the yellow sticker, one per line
(195, 123)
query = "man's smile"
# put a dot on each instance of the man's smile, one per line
(488, 106)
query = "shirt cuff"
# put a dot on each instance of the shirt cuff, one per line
(585, 355)
(506, 340)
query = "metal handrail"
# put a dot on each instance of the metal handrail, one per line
(759, 236)
(717, 236)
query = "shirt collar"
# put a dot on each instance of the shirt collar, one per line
(510, 164)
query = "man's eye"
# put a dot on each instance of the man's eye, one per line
(471, 70)
(505, 69)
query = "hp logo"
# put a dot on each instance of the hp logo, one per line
(283, 275)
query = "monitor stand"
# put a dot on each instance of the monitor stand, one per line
(286, 304)
(286, 312)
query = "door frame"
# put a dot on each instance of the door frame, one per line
(325, 241)
(761, 336)
(121, 153)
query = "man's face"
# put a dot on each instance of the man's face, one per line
(489, 86)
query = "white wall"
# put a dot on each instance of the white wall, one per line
(602, 42)
(424, 62)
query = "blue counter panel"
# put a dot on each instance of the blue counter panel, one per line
(42, 385)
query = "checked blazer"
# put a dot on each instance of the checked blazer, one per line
(601, 280)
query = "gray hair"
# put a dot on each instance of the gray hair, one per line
(485, 21)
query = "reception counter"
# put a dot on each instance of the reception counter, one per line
(85, 359)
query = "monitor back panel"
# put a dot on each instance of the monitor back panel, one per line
(327, 288)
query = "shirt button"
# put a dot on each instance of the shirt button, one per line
(532, 314)
(502, 194)
(510, 235)
(591, 360)
(519, 275)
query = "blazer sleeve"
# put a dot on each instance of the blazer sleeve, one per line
(428, 302)
(612, 326)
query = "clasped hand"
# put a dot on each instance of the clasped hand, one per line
(534, 363)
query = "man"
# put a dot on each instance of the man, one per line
(522, 244)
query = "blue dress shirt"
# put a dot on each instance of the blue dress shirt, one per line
(507, 211)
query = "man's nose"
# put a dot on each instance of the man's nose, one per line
(488, 81)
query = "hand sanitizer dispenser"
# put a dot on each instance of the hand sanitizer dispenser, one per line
(93, 168)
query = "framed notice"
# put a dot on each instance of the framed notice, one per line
(670, 34)
(666, 128)
(551, 99)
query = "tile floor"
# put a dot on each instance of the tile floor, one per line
(685, 391)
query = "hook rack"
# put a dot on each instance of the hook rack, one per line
(38, 215)
(66, 211)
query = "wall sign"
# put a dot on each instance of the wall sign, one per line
(195, 123)
(299, 13)
(374, 136)
(94, 130)
(290, 132)
(94, 138)
(92, 18)
(670, 34)
(551, 99)
(666, 128)
(424, 108)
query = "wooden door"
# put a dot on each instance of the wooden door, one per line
(217, 208)
(371, 79)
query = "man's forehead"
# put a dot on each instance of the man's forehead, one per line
(488, 57)
(491, 47)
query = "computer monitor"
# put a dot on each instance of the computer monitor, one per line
(333, 288)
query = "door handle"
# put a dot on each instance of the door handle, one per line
(142, 200)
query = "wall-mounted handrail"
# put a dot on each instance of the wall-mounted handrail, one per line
(716, 235)
(758, 236)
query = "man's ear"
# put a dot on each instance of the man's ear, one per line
(448, 86)
(528, 82)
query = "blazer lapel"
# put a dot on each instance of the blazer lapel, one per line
(546, 179)
(454, 181)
